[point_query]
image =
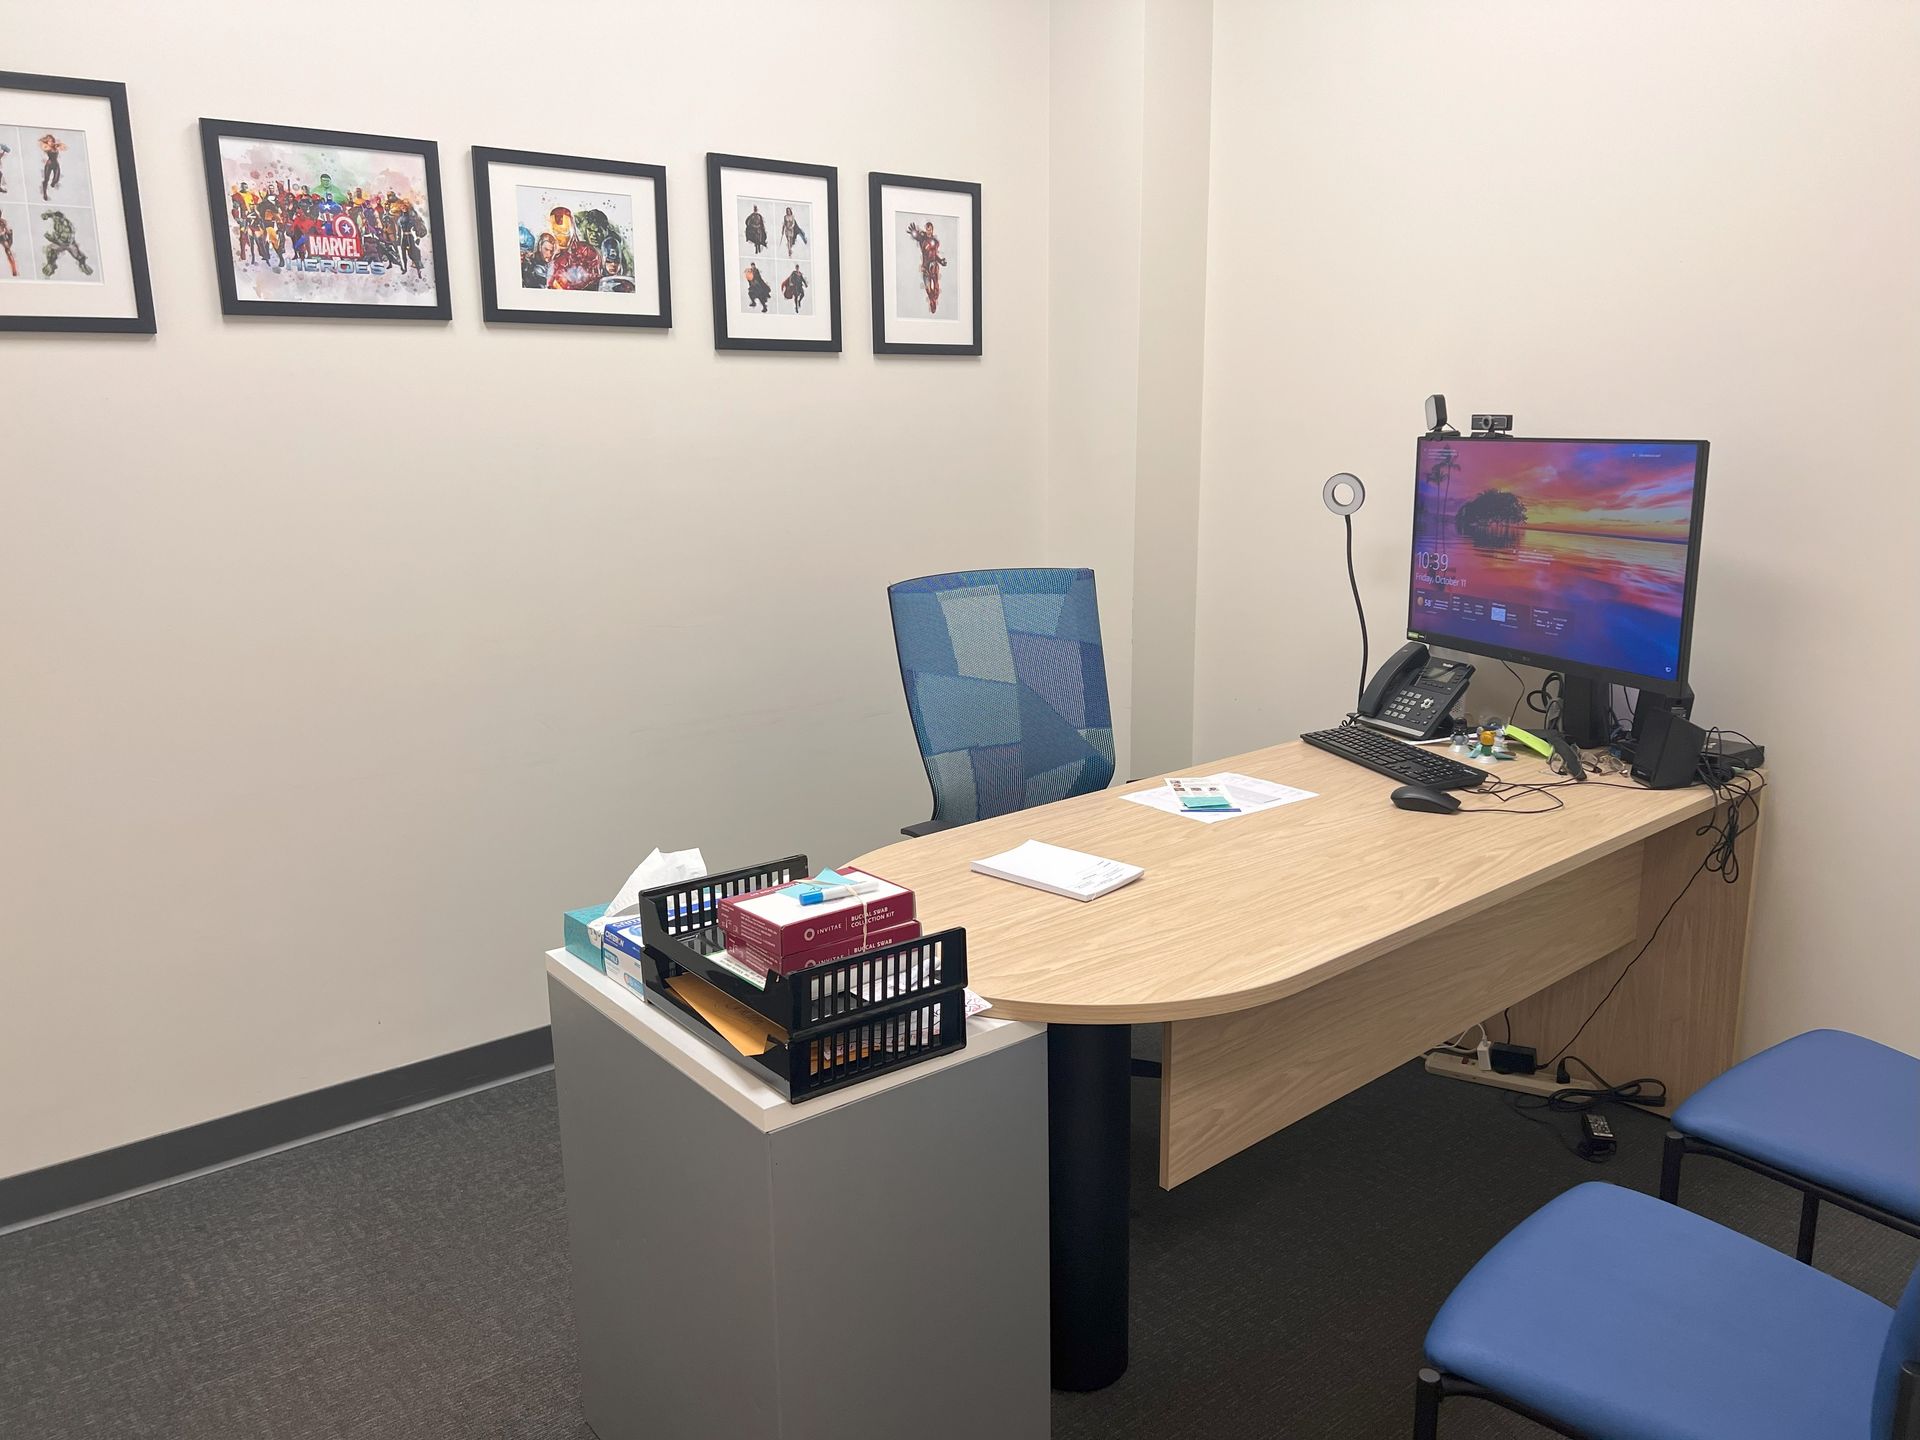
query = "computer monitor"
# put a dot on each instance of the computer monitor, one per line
(1569, 555)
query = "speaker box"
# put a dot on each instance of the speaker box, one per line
(1667, 756)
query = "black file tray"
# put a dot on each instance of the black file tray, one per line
(845, 1020)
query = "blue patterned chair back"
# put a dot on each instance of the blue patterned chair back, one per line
(1007, 685)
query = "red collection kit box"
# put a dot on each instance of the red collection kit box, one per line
(773, 926)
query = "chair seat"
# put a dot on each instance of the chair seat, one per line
(1630, 1319)
(1827, 1106)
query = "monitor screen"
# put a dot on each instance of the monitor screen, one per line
(1572, 555)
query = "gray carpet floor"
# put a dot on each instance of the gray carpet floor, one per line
(410, 1279)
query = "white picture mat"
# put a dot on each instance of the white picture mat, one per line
(811, 189)
(504, 180)
(40, 110)
(897, 202)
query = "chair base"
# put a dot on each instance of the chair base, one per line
(1679, 1145)
(1906, 1404)
(1433, 1386)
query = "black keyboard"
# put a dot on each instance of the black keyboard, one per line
(1406, 763)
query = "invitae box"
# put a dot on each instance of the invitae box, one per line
(775, 923)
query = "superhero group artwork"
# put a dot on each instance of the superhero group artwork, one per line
(325, 223)
(574, 240)
(71, 254)
(566, 239)
(926, 265)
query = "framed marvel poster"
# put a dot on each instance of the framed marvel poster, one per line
(925, 265)
(774, 226)
(571, 241)
(325, 222)
(73, 253)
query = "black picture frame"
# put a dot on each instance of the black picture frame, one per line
(878, 181)
(716, 238)
(485, 156)
(141, 322)
(212, 132)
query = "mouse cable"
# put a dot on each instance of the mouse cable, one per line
(1506, 790)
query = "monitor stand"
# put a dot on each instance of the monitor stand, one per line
(1586, 711)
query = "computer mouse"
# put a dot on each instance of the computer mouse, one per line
(1422, 797)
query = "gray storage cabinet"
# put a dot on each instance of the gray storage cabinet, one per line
(872, 1263)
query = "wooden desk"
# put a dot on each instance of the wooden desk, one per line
(1295, 954)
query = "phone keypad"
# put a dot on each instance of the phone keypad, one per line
(1409, 707)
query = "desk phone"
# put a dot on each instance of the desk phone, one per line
(1413, 694)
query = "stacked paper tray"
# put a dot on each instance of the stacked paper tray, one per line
(816, 1029)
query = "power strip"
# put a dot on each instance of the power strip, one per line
(1475, 1068)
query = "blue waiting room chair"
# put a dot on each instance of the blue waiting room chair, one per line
(1007, 688)
(1610, 1315)
(1834, 1115)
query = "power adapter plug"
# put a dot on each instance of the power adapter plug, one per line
(1506, 1059)
(1596, 1136)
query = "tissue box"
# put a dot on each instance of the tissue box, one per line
(579, 938)
(621, 956)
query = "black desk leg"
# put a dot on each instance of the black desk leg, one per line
(1088, 1071)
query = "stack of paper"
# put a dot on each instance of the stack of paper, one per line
(1059, 871)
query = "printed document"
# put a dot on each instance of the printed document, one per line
(1247, 794)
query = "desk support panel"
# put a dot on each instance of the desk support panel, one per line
(1089, 1070)
(1676, 1017)
(1229, 1081)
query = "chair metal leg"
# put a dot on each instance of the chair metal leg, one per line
(1674, 1151)
(1809, 1217)
(1427, 1396)
(1906, 1404)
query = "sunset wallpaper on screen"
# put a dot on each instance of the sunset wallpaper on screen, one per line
(1575, 550)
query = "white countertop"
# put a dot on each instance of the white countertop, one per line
(733, 1084)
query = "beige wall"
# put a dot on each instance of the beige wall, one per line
(1176, 109)
(1639, 219)
(1095, 143)
(342, 657)
(1130, 110)
(345, 656)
